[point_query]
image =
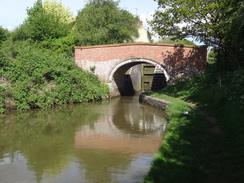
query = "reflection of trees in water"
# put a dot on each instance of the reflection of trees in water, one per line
(135, 118)
(129, 117)
(43, 137)
(100, 164)
(46, 137)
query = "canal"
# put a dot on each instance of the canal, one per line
(101, 142)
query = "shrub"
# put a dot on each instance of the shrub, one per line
(41, 78)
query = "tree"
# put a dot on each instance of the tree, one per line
(170, 40)
(234, 37)
(3, 35)
(47, 20)
(202, 19)
(217, 23)
(58, 11)
(103, 22)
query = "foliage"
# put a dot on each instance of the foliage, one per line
(231, 54)
(58, 11)
(63, 45)
(188, 149)
(170, 40)
(48, 20)
(48, 25)
(3, 35)
(217, 23)
(227, 87)
(39, 78)
(20, 33)
(103, 22)
(52, 26)
(234, 86)
(222, 98)
(3, 64)
(201, 19)
(2, 100)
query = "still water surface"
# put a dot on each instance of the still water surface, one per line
(84, 143)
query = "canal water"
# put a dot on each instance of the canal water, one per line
(106, 142)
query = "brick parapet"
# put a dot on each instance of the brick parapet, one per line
(179, 61)
(153, 51)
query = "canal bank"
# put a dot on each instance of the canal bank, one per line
(191, 150)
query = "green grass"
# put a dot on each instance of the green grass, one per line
(191, 151)
(186, 148)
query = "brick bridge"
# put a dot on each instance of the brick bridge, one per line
(116, 64)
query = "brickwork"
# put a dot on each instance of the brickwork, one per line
(179, 61)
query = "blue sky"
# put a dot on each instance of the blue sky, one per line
(13, 12)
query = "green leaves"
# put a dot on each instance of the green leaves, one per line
(181, 18)
(47, 20)
(216, 23)
(2, 96)
(38, 78)
(3, 35)
(170, 40)
(103, 22)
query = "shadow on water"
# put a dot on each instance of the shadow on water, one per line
(111, 141)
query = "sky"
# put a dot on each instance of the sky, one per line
(13, 12)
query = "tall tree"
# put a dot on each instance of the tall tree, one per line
(56, 9)
(103, 22)
(47, 20)
(234, 37)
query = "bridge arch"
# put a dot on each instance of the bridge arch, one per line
(135, 61)
(117, 74)
(109, 61)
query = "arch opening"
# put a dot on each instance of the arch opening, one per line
(137, 74)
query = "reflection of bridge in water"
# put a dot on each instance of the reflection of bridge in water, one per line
(50, 146)
(126, 129)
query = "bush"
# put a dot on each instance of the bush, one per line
(235, 88)
(40, 79)
(1, 100)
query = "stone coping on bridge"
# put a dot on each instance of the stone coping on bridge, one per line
(142, 44)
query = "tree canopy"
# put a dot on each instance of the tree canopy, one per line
(170, 40)
(202, 19)
(3, 35)
(58, 11)
(216, 23)
(103, 22)
(46, 20)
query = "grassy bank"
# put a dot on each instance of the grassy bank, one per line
(195, 149)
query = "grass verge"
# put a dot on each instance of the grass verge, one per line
(192, 151)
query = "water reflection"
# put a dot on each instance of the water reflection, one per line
(104, 142)
(128, 128)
